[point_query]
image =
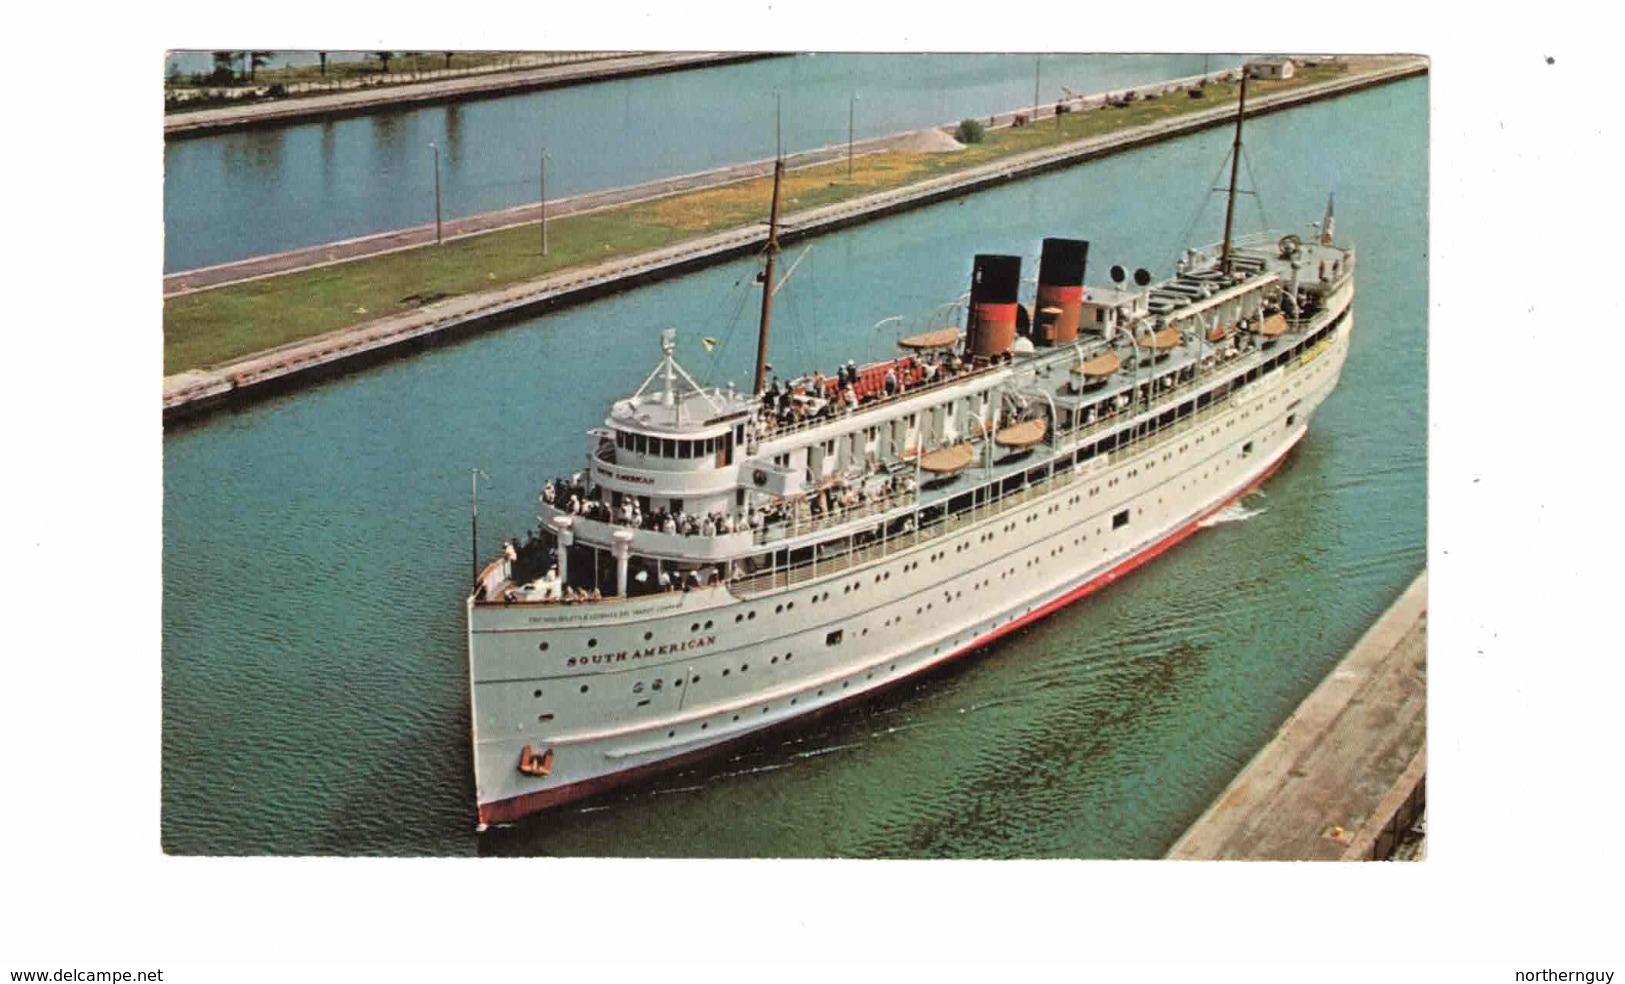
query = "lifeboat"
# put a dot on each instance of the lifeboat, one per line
(1274, 326)
(939, 339)
(1022, 435)
(1097, 369)
(948, 461)
(1219, 333)
(1161, 341)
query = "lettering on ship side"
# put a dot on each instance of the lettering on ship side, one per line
(648, 651)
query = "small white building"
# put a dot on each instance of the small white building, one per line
(1271, 68)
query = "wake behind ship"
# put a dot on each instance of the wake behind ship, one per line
(729, 561)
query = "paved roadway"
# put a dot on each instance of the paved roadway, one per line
(1341, 765)
(205, 121)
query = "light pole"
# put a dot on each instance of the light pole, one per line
(434, 147)
(1037, 63)
(544, 202)
(851, 112)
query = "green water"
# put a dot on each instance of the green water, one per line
(316, 555)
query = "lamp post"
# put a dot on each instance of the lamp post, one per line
(435, 147)
(1038, 62)
(544, 202)
(851, 112)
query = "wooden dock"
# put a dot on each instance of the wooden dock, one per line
(1345, 776)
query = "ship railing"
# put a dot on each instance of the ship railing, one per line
(848, 554)
(982, 509)
(839, 516)
(945, 378)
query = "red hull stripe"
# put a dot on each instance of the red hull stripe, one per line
(508, 810)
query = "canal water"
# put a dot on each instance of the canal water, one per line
(316, 555)
(250, 192)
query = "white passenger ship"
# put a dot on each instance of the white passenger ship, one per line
(730, 561)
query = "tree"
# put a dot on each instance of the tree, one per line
(258, 59)
(970, 131)
(384, 58)
(222, 74)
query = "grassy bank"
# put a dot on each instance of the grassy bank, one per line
(215, 326)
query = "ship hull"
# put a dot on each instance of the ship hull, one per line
(515, 808)
(616, 693)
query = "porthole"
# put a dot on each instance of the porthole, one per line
(725, 671)
(542, 647)
(750, 615)
(704, 725)
(708, 623)
(736, 717)
(647, 636)
(584, 688)
(739, 618)
(592, 643)
(671, 734)
(696, 679)
(537, 693)
(775, 659)
(677, 682)
(744, 667)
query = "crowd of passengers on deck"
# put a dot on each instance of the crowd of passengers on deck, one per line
(815, 398)
(832, 499)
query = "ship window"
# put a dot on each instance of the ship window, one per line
(1291, 419)
(1120, 520)
(668, 448)
(1247, 448)
(834, 638)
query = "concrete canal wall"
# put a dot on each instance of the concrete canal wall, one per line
(288, 367)
(205, 122)
(1345, 775)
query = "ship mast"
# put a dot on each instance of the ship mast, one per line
(767, 278)
(1235, 165)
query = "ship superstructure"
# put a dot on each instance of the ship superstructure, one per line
(728, 561)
